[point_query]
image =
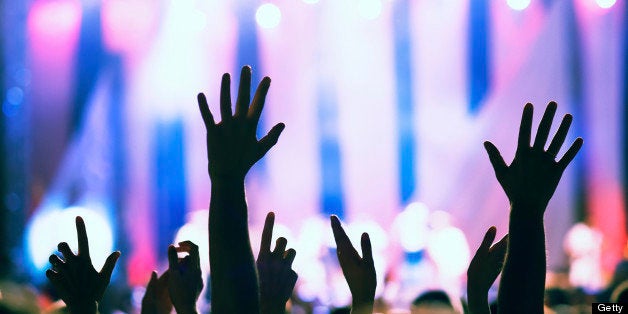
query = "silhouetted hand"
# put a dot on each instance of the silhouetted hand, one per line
(75, 279)
(484, 268)
(533, 175)
(276, 277)
(156, 298)
(232, 145)
(358, 271)
(185, 280)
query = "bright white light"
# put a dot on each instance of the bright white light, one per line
(411, 227)
(53, 226)
(379, 239)
(518, 4)
(268, 15)
(449, 250)
(370, 9)
(195, 230)
(310, 1)
(605, 4)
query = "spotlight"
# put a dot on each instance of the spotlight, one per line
(605, 4)
(518, 5)
(268, 15)
(370, 9)
(54, 225)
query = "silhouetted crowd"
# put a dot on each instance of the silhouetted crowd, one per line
(241, 283)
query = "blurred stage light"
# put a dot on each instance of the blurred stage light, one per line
(195, 230)
(412, 227)
(54, 18)
(268, 15)
(370, 9)
(52, 226)
(518, 4)
(310, 1)
(605, 4)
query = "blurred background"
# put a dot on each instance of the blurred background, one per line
(386, 105)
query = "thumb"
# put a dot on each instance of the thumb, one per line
(110, 264)
(497, 161)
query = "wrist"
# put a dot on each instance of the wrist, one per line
(526, 211)
(478, 301)
(188, 309)
(83, 307)
(362, 307)
(266, 308)
(226, 180)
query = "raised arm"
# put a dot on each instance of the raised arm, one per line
(276, 277)
(358, 271)
(232, 149)
(529, 182)
(484, 268)
(80, 286)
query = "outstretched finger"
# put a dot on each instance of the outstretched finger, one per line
(544, 127)
(150, 287)
(340, 236)
(280, 245)
(525, 128)
(560, 136)
(56, 262)
(267, 234)
(192, 250)
(496, 159)
(268, 141)
(110, 264)
(255, 111)
(206, 114)
(500, 247)
(173, 257)
(489, 237)
(64, 248)
(83, 244)
(571, 153)
(225, 98)
(367, 250)
(289, 256)
(244, 92)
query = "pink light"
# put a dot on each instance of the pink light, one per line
(128, 25)
(605, 4)
(54, 22)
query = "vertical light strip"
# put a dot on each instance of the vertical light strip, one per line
(479, 53)
(405, 101)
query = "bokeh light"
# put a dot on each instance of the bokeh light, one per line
(268, 15)
(518, 4)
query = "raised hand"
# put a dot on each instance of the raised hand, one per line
(80, 286)
(529, 183)
(484, 268)
(232, 148)
(276, 277)
(533, 175)
(185, 280)
(156, 298)
(358, 271)
(232, 145)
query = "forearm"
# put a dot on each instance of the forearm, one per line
(83, 308)
(362, 307)
(523, 277)
(234, 280)
(267, 308)
(478, 301)
(190, 309)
